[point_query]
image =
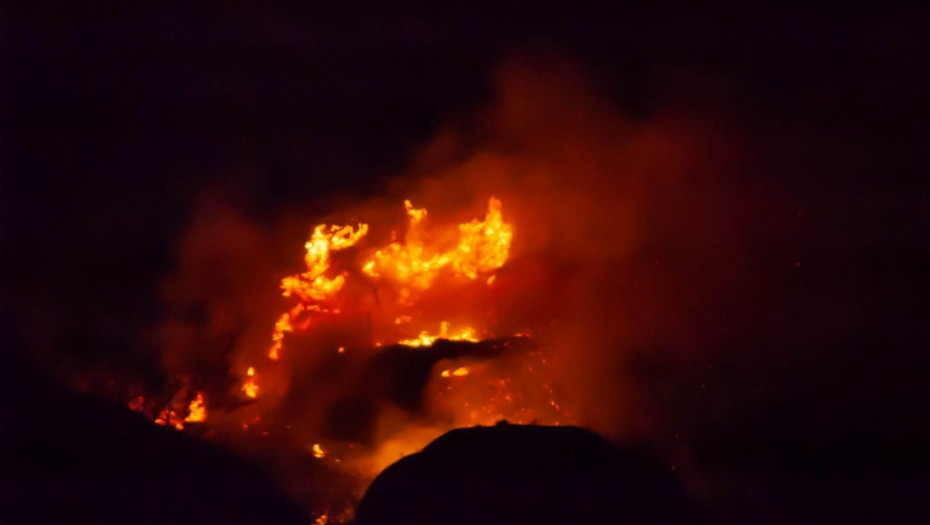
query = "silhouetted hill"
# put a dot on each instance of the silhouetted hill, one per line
(525, 474)
(72, 459)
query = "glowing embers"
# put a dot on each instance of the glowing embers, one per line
(314, 284)
(461, 371)
(427, 339)
(484, 245)
(250, 387)
(171, 418)
(172, 414)
(516, 385)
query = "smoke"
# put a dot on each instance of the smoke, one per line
(628, 232)
(626, 259)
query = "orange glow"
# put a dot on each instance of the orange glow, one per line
(169, 417)
(250, 387)
(197, 410)
(137, 404)
(314, 286)
(483, 246)
(427, 339)
(424, 259)
(458, 372)
(410, 266)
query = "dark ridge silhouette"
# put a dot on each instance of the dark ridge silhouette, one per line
(67, 458)
(525, 474)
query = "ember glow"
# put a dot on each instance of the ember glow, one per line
(169, 417)
(250, 387)
(458, 372)
(482, 247)
(427, 339)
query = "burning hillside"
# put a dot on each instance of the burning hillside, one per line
(390, 337)
(508, 277)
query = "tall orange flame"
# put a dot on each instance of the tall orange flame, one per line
(413, 264)
(197, 410)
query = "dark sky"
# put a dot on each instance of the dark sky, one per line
(116, 118)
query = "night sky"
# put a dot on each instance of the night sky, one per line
(115, 120)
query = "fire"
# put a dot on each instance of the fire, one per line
(315, 287)
(197, 410)
(427, 339)
(169, 417)
(137, 404)
(250, 387)
(484, 245)
(427, 282)
(481, 247)
(458, 372)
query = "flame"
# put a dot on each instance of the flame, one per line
(250, 387)
(169, 417)
(483, 246)
(197, 410)
(314, 287)
(458, 372)
(427, 339)
(318, 451)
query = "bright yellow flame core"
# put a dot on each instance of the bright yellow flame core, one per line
(457, 372)
(314, 286)
(482, 247)
(427, 339)
(250, 387)
(197, 410)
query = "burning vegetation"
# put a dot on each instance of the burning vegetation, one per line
(398, 274)
(504, 280)
(384, 344)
